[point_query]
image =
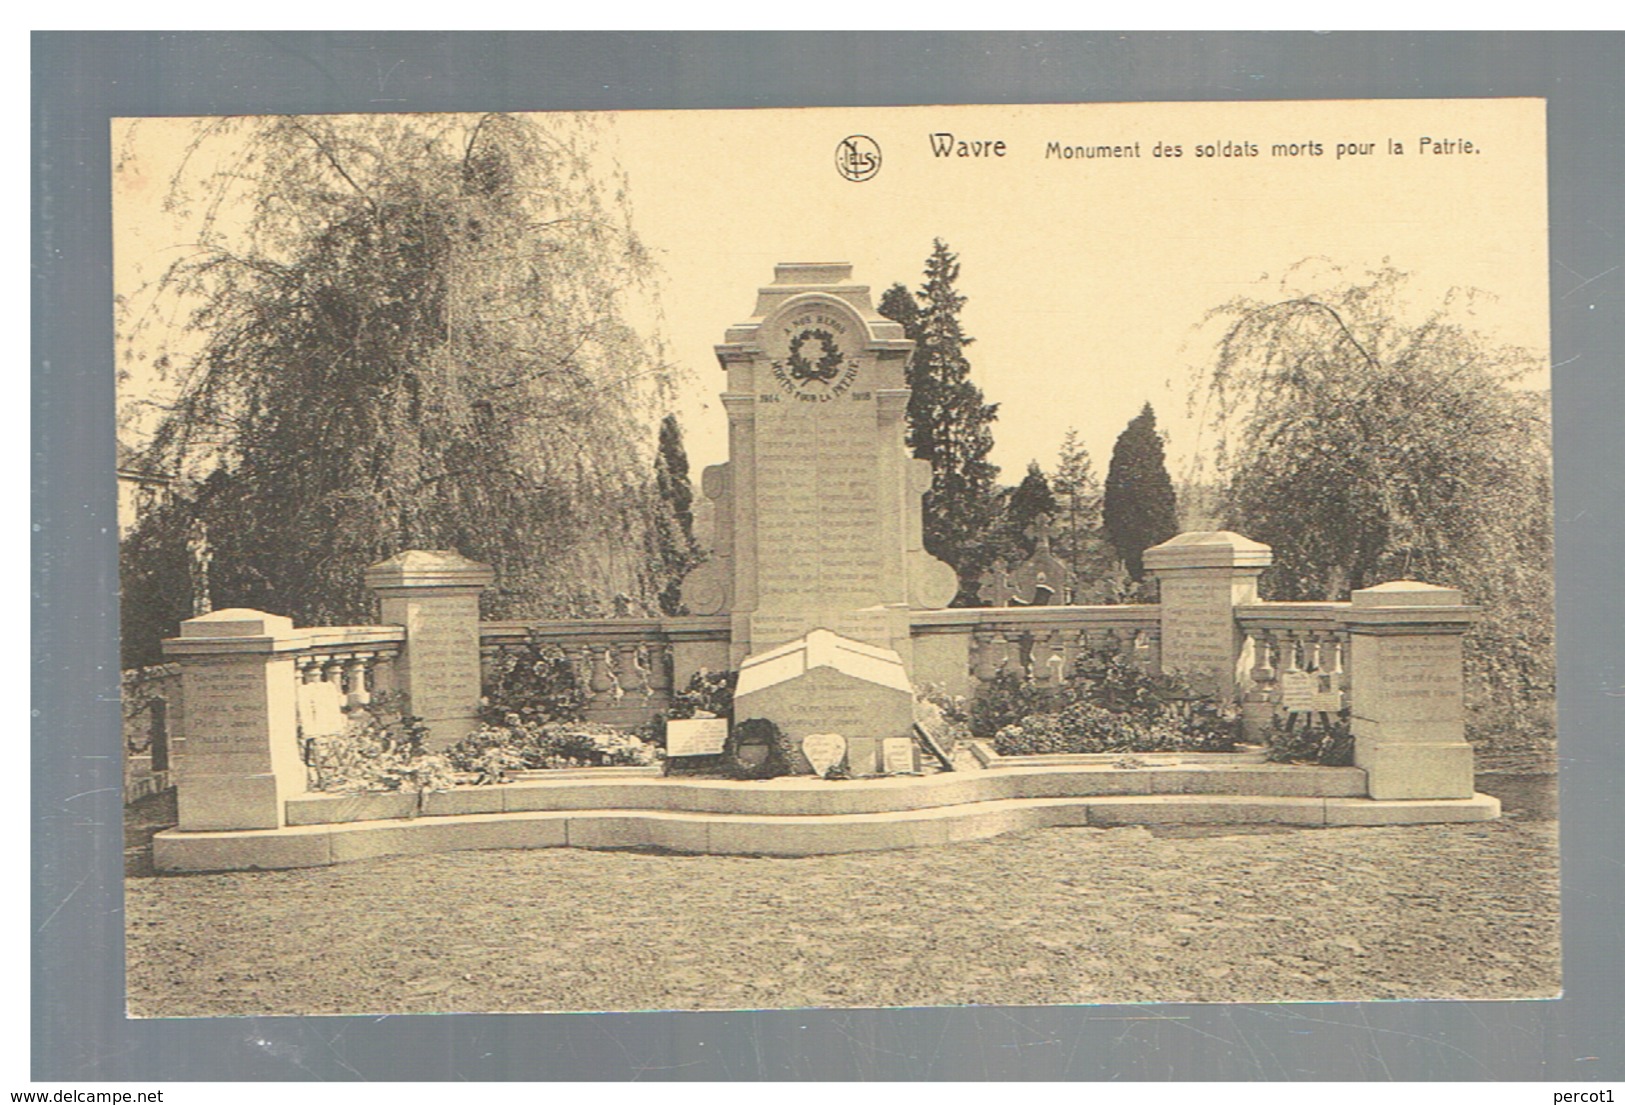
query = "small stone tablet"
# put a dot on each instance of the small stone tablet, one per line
(696, 737)
(823, 750)
(897, 756)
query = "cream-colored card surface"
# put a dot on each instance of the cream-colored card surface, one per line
(1188, 463)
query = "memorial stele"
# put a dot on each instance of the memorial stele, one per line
(817, 512)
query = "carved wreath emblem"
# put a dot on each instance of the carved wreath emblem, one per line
(828, 364)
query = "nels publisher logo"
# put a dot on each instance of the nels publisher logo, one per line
(857, 157)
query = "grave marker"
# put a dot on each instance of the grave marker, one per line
(897, 756)
(1304, 692)
(1203, 577)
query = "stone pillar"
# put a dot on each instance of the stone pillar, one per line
(824, 535)
(1406, 693)
(436, 596)
(743, 592)
(237, 759)
(1203, 577)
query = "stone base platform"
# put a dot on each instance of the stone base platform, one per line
(799, 816)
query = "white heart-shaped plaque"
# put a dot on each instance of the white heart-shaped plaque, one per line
(823, 750)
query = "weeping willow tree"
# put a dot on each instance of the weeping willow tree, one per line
(1367, 437)
(403, 332)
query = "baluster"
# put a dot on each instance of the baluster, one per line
(1153, 651)
(629, 674)
(359, 693)
(1082, 658)
(656, 659)
(309, 669)
(381, 675)
(1023, 652)
(1268, 672)
(1046, 662)
(490, 662)
(1008, 654)
(983, 664)
(1137, 648)
(333, 671)
(997, 654)
(1334, 656)
(665, 668)
(1262, 673)
(645, 657)
(1288, 661)
(580, 661)
(1318, 651)
(603, 674)
(1259, 703)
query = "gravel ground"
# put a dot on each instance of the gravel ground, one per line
(1223, 913)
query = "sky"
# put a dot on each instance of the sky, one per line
(1087, 278)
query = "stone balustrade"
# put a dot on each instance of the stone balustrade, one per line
(1288, 637)
(1045, 643)
(629, 667)
(359, 658)
(1392, 656)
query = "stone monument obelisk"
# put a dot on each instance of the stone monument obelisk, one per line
(817, 511)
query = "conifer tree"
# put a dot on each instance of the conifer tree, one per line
(673, 531)
(1077, 536)
(1139, 507)
(949, 424)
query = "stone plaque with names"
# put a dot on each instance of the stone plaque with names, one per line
(238, 758)
(1420, 677)
(1407, 709)
(696, 736)
(1204, 576)
(435, 595)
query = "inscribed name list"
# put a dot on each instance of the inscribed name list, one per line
(445, 658)
(1420, 678)
(819, 543)
(1198, 627)
(226, 716)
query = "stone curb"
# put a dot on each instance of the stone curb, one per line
(776, 835)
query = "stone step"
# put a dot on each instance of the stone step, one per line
(774, 835)
(806, 796)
